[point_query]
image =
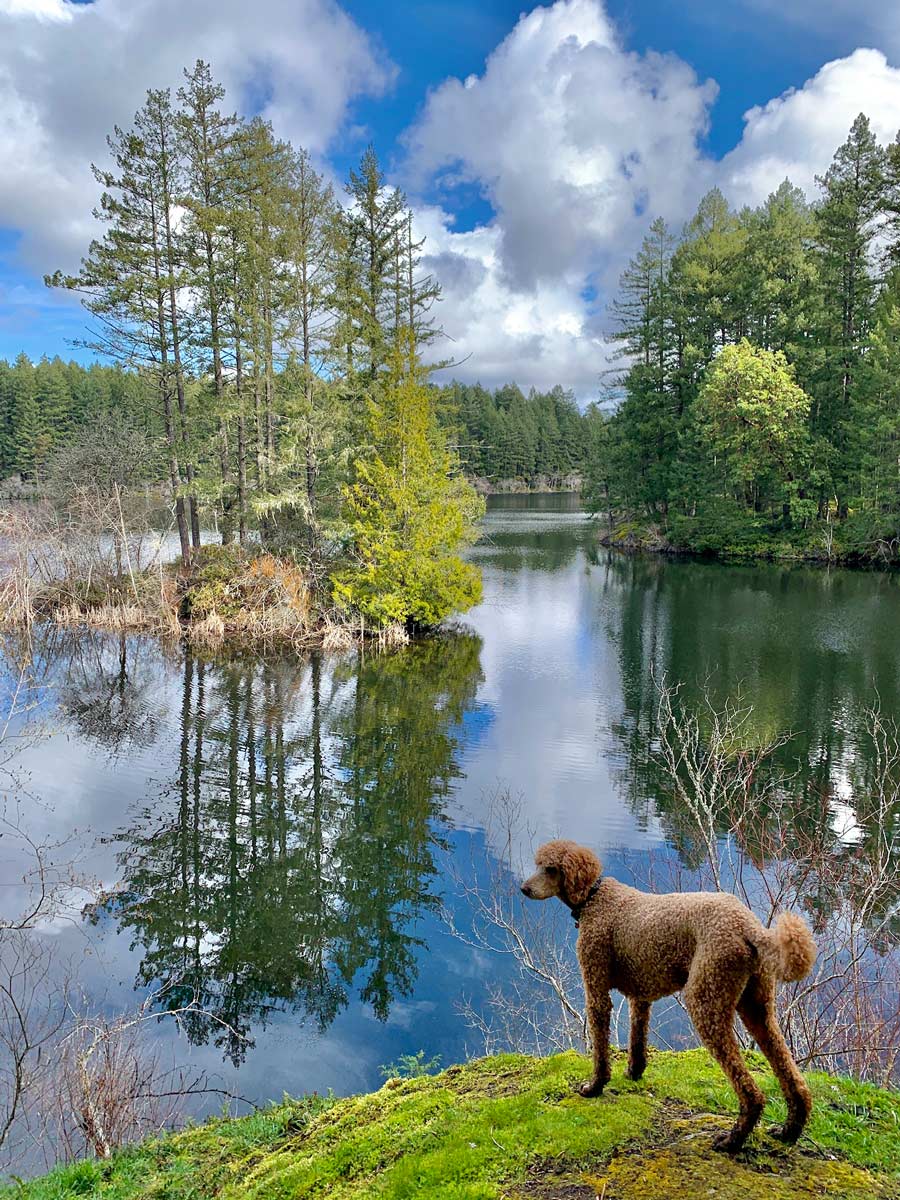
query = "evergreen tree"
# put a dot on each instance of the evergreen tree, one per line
(375, 227)
(410, 511)
(853, 196)
(876, 433)
(124, 284)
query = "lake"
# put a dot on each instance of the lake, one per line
(284, 838)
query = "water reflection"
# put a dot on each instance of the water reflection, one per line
(270, 833)
(291, 857)
(807, 654)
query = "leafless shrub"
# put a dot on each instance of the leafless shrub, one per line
(713, 763)
(30, 1021)
(79, 557)
(111, 1084)
(540, 1010)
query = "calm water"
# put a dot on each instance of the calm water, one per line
(279, 836)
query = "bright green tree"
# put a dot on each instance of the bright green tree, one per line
(752, 416)
(410, 511)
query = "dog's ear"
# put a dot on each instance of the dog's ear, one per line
(580, 869)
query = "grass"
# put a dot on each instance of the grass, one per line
(511, 1127)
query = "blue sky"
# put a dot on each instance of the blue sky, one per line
(533, 183)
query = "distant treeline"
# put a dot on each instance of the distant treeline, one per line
(504, 434)
(501, 433)
(761, 407)
(42, 405)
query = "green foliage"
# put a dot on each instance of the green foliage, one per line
(753, 419)
(505, 434)
(759, 406)
(44, 406)
(409, 510)
(512, 1127)
(411, 1066)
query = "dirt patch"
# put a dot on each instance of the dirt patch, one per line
(556, 1191)
(676, 1162)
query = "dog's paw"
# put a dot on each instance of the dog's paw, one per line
(636, 1072)
(727, 1143)
(591, 1089)
(784, 1133)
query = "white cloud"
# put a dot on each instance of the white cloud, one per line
(578, 144)
(539, 336)
(570, 137)
(797, 133)
(43, 10)
(574, 141)
(67, 78)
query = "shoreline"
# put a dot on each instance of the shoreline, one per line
(539, 485)
(228, 597)
(633, 538)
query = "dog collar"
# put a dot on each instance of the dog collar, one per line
(578, 909)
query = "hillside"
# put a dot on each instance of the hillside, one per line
(511, 1127)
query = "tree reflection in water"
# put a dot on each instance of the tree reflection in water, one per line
(308, 804)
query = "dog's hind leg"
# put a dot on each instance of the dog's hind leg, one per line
(757, 1010)
(711, 997)
(637, 1040)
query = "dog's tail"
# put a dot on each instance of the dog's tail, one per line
(794, 947)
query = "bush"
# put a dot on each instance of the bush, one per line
(229, 583)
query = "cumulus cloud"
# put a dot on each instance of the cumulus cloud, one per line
(69, 72)
(539, 336)
(570, 137)
(577, 144)
(797, 133)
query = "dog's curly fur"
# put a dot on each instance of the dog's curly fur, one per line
(706, 943)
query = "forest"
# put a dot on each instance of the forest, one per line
(261, 334)
(500, 434)
(758, 410)
(265, 341)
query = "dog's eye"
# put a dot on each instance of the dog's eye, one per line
(552, 870)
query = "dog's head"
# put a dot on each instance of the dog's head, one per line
(565, 869)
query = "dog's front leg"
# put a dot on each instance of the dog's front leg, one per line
(637, 1041)
(599, 1012)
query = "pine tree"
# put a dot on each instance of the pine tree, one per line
(778, 272)
(311, 254)
(376, 228)
(875, 437)
(156, 125)
(23, 417)
(853, 196)
(206, 136)
(124, 284)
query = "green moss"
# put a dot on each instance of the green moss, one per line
(512, 1128)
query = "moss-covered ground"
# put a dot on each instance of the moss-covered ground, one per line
(511, 1127)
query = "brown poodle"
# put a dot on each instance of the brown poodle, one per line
(707, 943)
